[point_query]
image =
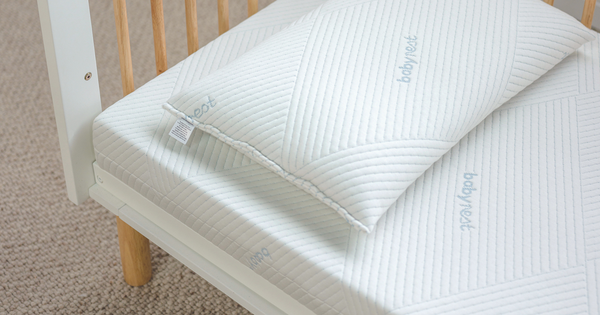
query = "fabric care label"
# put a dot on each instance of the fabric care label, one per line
(182, 130)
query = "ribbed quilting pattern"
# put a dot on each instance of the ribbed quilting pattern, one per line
(593, 285)
(530, 248)
(246, 209)
(589, 69)
(312, 101)
(588, 117)
(562, 292)
(523, 218)
(114, 129)
(182, 179)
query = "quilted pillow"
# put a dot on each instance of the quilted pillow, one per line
(354, 101)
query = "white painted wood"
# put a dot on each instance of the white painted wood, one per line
(69, 46)
(107, 200)
(231, 276)
(575, 9)
(197, 263)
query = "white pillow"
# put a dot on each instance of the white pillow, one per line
(353, 102)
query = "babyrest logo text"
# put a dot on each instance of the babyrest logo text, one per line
(409, 60)
(257, 258)
(466, 202)
(204, 108)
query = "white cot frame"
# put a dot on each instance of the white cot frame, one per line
(70, 56)
(68, 42)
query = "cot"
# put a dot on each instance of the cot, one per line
(76, 101)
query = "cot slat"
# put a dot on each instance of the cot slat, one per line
(120, 9)
(223, 16)
(191, 21)
(158, 28)
(550, 2)
(588, 13)
(252, 7)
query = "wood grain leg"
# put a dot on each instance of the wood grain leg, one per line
(135, 255)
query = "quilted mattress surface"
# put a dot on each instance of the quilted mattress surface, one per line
(326, 105)
(507, 221)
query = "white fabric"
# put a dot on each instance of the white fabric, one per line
(534, 241)
(354, 101)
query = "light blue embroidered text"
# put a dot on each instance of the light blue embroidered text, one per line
(410, 62)
(465, 202)
(256, 260)
(204, 108)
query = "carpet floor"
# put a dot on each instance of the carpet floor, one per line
(55, 257)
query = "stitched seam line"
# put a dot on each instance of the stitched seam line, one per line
(261, 159)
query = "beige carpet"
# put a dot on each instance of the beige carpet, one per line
(55, 257)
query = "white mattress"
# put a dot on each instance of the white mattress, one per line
(530, 243)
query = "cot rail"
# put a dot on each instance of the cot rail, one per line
(588, 12)
(191, 22)
(158, 29)
(120, 8)
(160, 40)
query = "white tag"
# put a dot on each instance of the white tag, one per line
(182, 130)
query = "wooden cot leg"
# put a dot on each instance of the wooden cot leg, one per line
(135, 255)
